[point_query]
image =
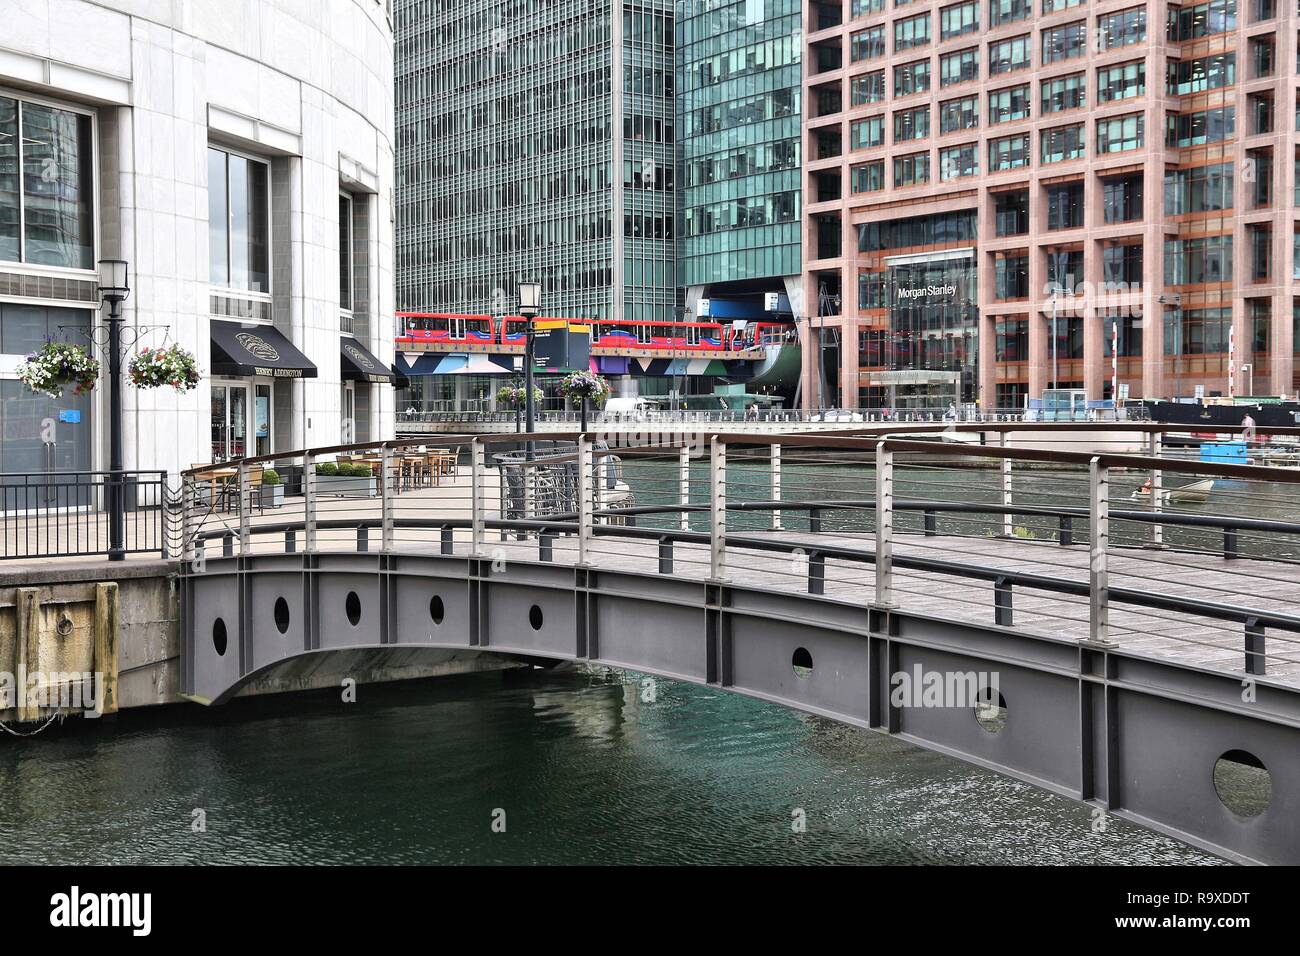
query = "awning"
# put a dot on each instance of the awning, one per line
(359, 365)
(256, 350)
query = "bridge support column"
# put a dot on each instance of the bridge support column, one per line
(884, 525)
(717, 509)
(1098, 579)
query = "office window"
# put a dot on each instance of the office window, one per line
(959, 19)
(238, 222)
(867, 44)
(868, 132)
(1122, 29)
(1011, 213)
(1064, 206)
(1007, 11)
(1065, 42)
(1204, 19)
(1121, 82)
(912, 170)
(868, 177)
(1202, 189)
(867, 88)
(46, 185)
(1064, 270)
(1197, 129)
(958, 161)
(1202, 73)
(1061, 143)
(1055, 6)
(1010, 276)
(345, 252)
(1120, 134)
(959, 67)
(860, 8)
(1009, 152)
(1065, 93)
(912, 78)
(912, 32)
(1199, 260)
(911, 124)
(1121, 198)
(1009, 104)
(959, 114)
(1009, 55)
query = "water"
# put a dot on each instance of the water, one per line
(585, 770)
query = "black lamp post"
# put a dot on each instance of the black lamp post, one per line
(113, 290)
(530, 299)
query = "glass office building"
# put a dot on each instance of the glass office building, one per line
(535, 142)
(738, 108)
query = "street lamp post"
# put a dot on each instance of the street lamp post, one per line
(530, 298)
(113, 290)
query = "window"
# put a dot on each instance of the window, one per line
(1204, 19)
(1055, 6)
(1203, 189)
(1011, 213)
(868, 88)
(1012, 345)
(959, 114)
(1065, 93)
(959, 20)
(1064, 142)
(1121, 198)
(1120, 134)
(958, 161)
(1064, 206)
(1199, 260)
(1008, 55)
(1007, 11)
(911, 124)
(1121, 82)
(935, 229)
(1197, 129)
(911, 170)
(345, 253)
(866, 44)
(1011, 277)
(1064, 270)
(959, 67)
(1009, 104)
(1201, 74)
(1122, 29)
(238, 227)
(868, 132)
(1263, 57)
(1066, 42)
(912, 32)
(46, 185)
(861, 8)
(1197, 331)
(868, 177)
(1010, 152)
(912, 78)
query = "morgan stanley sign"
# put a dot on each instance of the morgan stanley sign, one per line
(925, 291)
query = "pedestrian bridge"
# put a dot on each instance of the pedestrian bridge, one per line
(1139, 650)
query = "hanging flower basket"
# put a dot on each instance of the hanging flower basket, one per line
(154, 368)
(588, 385)
(515, 396)
(58, 365)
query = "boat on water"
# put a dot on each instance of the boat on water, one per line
(1192, 493)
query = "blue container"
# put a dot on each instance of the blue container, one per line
(1224, 452)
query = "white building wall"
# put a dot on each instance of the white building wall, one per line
(307, 80)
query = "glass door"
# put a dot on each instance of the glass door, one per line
(219, 404)
(229, 419)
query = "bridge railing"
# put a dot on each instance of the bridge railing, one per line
(1063, 540)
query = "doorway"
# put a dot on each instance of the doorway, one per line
(230, 405)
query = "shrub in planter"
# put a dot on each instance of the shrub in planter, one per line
(327, 469)
(272, 489)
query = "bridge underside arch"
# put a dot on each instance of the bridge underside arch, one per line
(1137, 736)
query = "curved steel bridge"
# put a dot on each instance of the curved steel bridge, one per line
(1142, 647)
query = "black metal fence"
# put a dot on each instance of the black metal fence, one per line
(45, 515)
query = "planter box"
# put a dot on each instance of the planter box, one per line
(347, 486)
(270, 496)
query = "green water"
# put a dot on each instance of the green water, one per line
(585, 770)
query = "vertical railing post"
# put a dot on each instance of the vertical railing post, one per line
(189, 509)
(717, 509)
(245, 494)
(1005, 465)
(386, 481)
(476, 495)
(1098, 582)
(1157, 491)
(684, 485)
(308, 502)
(776, 486)
(884, 524)
(584, 498)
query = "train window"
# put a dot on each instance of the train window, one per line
(692, 335)
(643, 334)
